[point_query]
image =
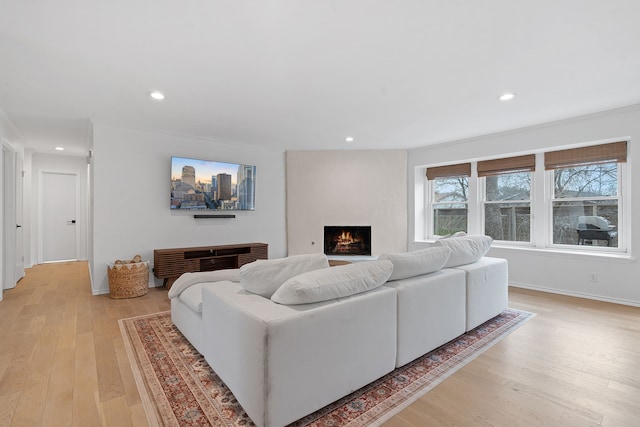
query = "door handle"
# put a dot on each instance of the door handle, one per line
(73, 221)
(18, 226)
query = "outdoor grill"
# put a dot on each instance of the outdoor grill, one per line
(595, 228)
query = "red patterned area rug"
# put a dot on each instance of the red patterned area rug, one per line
(178, 388)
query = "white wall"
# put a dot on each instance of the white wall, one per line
(540, 269)
(42, 163)
(346, 188)
(131, 215)
(9, 132)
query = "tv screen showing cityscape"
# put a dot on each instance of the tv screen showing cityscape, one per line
(209, 185)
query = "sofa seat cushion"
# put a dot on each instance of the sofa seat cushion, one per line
(416, 263)
(465, 249)
(335, 282)
(264, 277)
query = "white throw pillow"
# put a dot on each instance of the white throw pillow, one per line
(416, 263)
(465, 249)
(264, 277)
(334, 282)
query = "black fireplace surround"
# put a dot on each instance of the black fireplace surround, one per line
(347, 240)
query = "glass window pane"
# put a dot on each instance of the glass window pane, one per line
(451, 189)
(588, 222)
(509, 186)
(586, 181)
(508, 221)
(449, 218)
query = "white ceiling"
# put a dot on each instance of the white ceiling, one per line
(304, 74)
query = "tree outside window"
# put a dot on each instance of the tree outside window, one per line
(507, 207)
(449, 206)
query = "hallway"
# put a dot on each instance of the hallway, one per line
(62, 360)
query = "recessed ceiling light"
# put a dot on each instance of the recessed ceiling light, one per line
(507, 96)
(349, 139)
(159, 96)
(60, 148)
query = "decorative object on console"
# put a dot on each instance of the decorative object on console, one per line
(156, 349)
(169, 264)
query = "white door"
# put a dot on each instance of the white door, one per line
(8, 218)
(19, 220)
(58, 214)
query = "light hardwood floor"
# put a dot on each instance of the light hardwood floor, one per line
(62, 362)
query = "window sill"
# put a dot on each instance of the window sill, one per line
(498, 249)
(567, 253)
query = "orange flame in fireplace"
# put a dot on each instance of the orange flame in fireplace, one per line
(346, 239)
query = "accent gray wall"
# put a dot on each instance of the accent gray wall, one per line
(354, 187)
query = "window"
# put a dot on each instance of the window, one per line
(449, 198)
(449, 208)
(578, 199)
(507, 197)
(585, 205)
(507, 207)
(586, 194)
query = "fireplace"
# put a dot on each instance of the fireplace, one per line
(347, 240)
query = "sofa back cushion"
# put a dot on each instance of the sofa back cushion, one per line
(334, 282)
(465, 249)
(264, 277)
(416, 263)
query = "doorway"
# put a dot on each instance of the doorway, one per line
(19, 185)
(11, 251)
(58, 212)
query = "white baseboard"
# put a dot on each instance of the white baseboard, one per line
(106, 291)
(575, 294)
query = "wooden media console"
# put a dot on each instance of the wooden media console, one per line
(169, 264)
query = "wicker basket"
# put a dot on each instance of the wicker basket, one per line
(128, 279)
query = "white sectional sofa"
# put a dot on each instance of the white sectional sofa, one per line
(290, 336)
(283, 362)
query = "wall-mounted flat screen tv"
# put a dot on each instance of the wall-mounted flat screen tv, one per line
(209, 185)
